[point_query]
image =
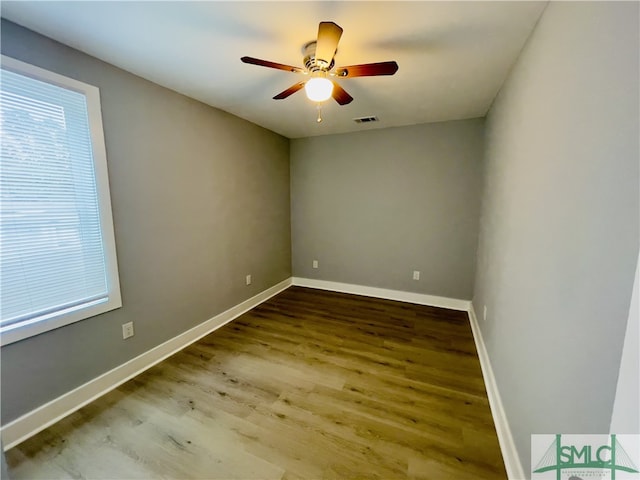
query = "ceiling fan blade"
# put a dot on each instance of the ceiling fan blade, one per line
(290, 91)
(328, 37)
(266, 63)
(340, 95)
(368, 69)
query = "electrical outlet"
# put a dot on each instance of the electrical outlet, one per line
(484, 313)
(127, 330)
(315, 264)
(248, 279)
(416, 275)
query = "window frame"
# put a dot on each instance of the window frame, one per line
(18, 331)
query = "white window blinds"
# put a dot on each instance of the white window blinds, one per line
(52, 249)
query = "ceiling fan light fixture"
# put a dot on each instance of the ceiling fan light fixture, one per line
(318, 89)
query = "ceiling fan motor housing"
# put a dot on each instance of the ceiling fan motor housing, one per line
(309, 52)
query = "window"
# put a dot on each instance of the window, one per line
(57, 249)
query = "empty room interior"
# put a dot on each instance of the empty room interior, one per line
(411, 274)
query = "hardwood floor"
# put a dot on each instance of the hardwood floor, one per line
(310, 384)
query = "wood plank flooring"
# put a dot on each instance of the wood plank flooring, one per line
(309, 385)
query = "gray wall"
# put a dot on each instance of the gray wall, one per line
(200, 199)
(559, 224)
(374, 206)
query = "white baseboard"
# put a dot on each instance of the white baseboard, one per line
(42, 417)
(409, 297)
(507, 445)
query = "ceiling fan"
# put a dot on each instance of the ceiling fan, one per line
(318, 64)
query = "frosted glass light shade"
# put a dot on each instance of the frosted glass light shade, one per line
(318, 89)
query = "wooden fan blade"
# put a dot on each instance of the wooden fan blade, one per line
(328, 37)
(340, 95)
(368, 70)
(290, 91)
(266, 63)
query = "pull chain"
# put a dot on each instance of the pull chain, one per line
(319, 119)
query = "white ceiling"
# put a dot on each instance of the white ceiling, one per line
(453, 56)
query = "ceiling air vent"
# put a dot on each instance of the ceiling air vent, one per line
(366, 119)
